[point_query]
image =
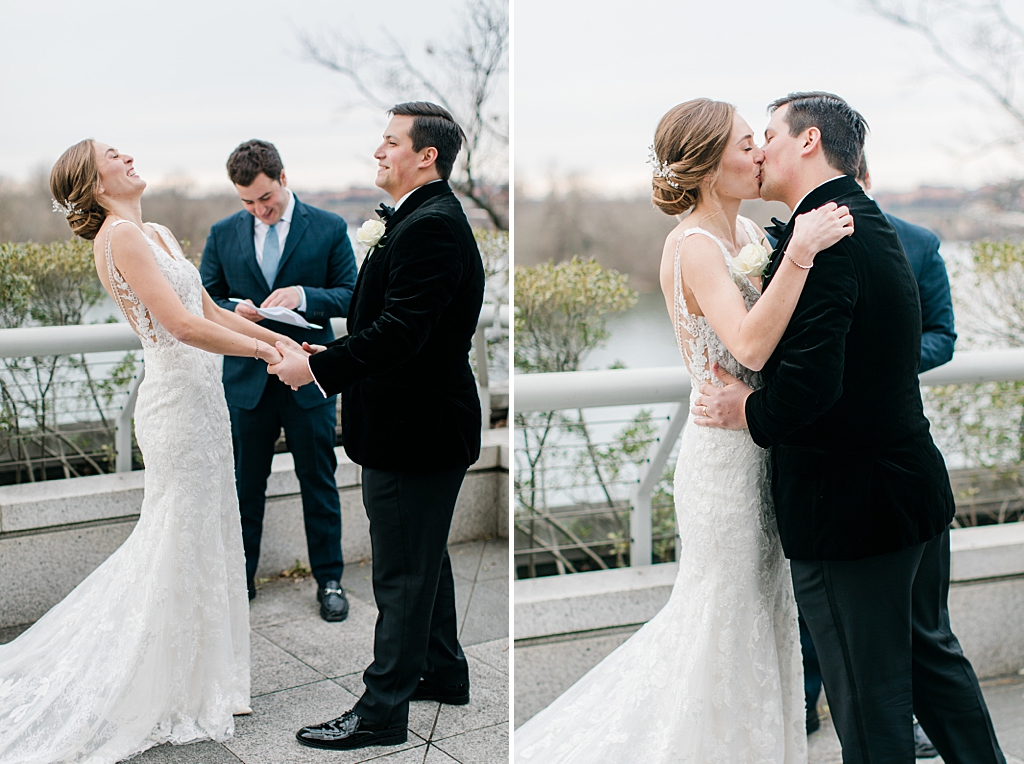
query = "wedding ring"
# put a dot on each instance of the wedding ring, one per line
(705, 415)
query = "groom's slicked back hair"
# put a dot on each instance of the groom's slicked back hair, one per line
(252, 158)
(433, 125)
(842, 127)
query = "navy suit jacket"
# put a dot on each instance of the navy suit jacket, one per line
(922, 248)
(317, 256)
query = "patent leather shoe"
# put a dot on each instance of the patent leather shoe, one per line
(452, 695)
(333, 602)
(349, 731)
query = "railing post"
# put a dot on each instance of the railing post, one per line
(480, 348)
(123, 433)
(640, 531)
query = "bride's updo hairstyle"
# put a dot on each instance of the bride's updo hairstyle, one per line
(688, 146)
(74, 181)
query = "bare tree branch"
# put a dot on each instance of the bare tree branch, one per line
(977, 39)
(467, 78)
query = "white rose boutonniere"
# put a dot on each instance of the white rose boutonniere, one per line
(751, 260)
(370, 233)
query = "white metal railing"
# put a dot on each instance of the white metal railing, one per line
(99, 338)
(671, 384)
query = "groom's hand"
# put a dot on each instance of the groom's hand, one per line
(293, 369)
(313, 349)
(722, 407)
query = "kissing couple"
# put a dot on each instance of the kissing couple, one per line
(153, 646)
(809, 480)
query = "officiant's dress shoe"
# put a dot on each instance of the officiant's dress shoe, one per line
(452, 695)
(813, 722)
(348, 731)
(333, 602)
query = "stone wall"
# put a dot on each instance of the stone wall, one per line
(55, 533)
(564, 625)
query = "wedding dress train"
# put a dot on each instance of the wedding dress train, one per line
(153, 646)
(716, 676)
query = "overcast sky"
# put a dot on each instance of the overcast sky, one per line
(179, 84)
(593, 79)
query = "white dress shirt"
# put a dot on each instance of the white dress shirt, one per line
(259, 235)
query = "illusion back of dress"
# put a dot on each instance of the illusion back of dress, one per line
(153, 646)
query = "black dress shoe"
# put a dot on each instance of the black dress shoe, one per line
(923, 748)
(333, 602)
(813, 722)
(251, 586)
(350, 731)
(453, 695)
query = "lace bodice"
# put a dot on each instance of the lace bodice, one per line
(180, 274)
(697, 341)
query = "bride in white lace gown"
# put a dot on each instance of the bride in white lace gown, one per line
(153, 646)
(716, 676)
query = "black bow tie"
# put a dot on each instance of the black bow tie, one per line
(385, 212)
(776, 229)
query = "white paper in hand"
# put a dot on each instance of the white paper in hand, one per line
(284, 315)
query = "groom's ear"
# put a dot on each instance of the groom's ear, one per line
(811, 141)
(428, 157)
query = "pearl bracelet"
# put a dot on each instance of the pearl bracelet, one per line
(802, 267)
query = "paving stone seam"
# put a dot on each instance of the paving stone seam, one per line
(293, 655)
(433, 741)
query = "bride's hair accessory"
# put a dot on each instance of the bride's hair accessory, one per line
(662, 169)
(67, 209)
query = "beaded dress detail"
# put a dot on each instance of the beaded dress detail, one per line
(153, 646)
(716, 676)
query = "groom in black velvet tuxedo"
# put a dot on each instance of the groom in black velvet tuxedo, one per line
(411, 417)
(862, 496)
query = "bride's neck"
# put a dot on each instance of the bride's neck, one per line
(128, 209)
(717, 215)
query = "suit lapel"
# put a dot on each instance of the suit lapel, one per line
(244, 229)
(416, 199)
(296, 229)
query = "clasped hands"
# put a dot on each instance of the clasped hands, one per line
(293, 368)
(722, 407)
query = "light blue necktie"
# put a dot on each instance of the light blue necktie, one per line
(271, 255)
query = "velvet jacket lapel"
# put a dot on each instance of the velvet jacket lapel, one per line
(245, 229)
(819, 196)
(416, 199)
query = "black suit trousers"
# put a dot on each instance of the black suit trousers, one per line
(882, 633)
(310, 436)
(416, 635)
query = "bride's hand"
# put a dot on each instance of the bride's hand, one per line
(268, 353)
(313, 349)
(818, 230)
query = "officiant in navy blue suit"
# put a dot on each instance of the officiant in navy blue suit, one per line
(279, 252)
